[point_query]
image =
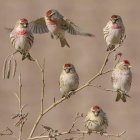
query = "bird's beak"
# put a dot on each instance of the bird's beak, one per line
(25, 25)
(67, 70)
(129, 66)
(96, 113)
(113, 20)
(49, 17)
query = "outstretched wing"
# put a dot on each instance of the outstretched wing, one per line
(73, 29)
(38, 26)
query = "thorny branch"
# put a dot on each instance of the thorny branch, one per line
(88, 83)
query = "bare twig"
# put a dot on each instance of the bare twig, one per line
(20, 106)
(80, 132)
(8, 132)
(104, 89)
(22, 117)
(42, 69)
(43, 112)
(78, 115)
(14, 67)
(7, 66)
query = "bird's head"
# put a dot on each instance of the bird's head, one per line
(69, 68)
(96, 110)
(124, 65)
(116, 19)
(53, 14)
(22, 23)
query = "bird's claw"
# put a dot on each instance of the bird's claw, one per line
(68, 95)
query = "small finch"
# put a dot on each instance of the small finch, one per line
(96, 120)
(121, 79)
(114, 32)
(55, 23)
(69, 80)
(22, 39)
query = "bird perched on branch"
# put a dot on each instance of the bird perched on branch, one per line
(22, 39)
(121, 79)
(114, 32)
(96, 120)
(57, 25)
(69, 80)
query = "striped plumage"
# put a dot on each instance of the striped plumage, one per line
(121, 79)
(114, 32)
(56, 24)
(22, 39)
(96, 120)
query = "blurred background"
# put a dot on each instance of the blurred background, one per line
(87, 54)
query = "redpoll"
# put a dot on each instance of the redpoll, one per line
(69, 80)
(55, 23)
(22, 39)
(121, 79)
(114, 32)
(96, 120)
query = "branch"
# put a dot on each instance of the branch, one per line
(7, 66)
(42, 69)
(22, 117)
(78, 116)
(101, 88)
(20, 105)
(80, 132)
(8, 132)
(75, 92)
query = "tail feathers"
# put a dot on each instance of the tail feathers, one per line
(87, 34)
(110, 47)
(64, 42)
(121, 95)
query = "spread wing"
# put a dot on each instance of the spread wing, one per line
(73, 29)
(38, 26)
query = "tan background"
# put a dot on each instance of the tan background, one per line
(87, 54)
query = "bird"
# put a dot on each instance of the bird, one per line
(57, 25)
(114, 32)
(22, 39)
(69, 80)
(121, 79)
(96, 120)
